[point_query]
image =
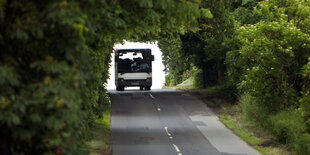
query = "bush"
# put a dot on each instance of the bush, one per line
(253, 110)
(302, 144)
(286, 126)
(289, 128)
(169, 80)
(197, 75)
(304, 109)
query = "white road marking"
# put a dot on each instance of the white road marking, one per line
(176, 148)
(152, 96)
(166, 128)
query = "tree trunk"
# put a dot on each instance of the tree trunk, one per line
(219, 72)
(204, 75)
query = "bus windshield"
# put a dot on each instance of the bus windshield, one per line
(134, 61)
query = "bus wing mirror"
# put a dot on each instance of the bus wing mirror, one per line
(152, 58)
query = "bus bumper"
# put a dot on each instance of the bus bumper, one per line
(133, 83)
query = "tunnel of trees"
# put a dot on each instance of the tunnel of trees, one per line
(258, 53)
(54, 60)
(55, 56)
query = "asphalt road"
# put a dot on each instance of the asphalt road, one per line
(168, 122)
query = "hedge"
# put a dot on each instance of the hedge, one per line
(54, 63)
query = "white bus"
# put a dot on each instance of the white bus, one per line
(133, 68)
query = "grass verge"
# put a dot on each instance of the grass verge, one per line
(187, 84)
(101, 143)
(262, 141)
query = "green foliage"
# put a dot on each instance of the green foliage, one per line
(245, 16)
(101, 133)
(246, 136)
(270, 67)
(169, 80)
(54, 61)
(45, 78)
(260, 48)
(274, 50)
(304, 109)
(203, 47)
(206, 48)
(253, 110)
(302, 144)
(286, 126)
(175, 62)
(243, 11)
(196, 73)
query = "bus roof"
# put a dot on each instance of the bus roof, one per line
(131, 49)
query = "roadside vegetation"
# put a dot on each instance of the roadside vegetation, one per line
(101, 142)
(55, 56)
(54, 63)
(256, 54)
(232, 117)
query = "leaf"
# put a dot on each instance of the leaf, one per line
(35, 117)
(2, 3)
(4, 102)
(206, 13)
(15, 119)
(145, 3)
(244, 2)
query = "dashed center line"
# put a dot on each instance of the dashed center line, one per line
(177, 149)
(174, 145)
(166, 128)
(152, 96)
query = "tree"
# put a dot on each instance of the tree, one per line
(54, 61)
(207, 47)
(274, 51)
(175, 62)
